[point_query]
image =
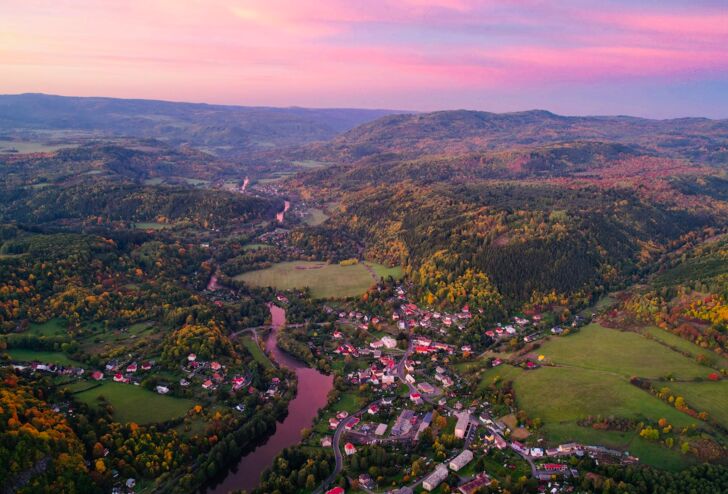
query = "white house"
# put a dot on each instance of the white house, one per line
(461, 460)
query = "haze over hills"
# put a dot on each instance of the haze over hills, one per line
(225, 130)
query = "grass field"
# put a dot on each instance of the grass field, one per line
(315, 217)
(324, 280)
(624, 353)
(711, 397)
(30, 146)
(256, 352)
(151, 225)
(256, 246)
(136, 404)
(383, 271)
(590, 376)
(685, 346)
(52, 327)
(23, 355)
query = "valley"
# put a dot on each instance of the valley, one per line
(417, 302)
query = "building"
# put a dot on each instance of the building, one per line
(336, 490)
(326, 442)
(349, 449)
(462, 424)
(480, 480)
(461, 460)
(162, 390)
(435, 478)
(389, 342)
(97, 375)
(381, 429)
(403, 424)
(426, 388)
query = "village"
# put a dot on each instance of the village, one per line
(408, 376)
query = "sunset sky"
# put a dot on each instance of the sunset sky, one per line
(658, 58)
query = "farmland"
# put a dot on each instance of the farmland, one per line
(256, 352)
(623, 353)
(588, 374)
(135, 404)
(324, 280)
(23, 355)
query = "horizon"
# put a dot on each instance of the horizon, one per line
(653, 60)
(394, 111)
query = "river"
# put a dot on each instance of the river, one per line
(286, 206)
(313, 390)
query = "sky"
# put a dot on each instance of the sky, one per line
(654, 58)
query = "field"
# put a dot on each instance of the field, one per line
(151, 225)
(684, 345)
(256, 246)
(23, 355)
(588, 375)
(324, 280)
(256, 352)
(136, 404)
(623, 353)
(315, 217)
(53, 327)
(708, 396)
(29, 146)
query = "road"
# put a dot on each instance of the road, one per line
(338, 457)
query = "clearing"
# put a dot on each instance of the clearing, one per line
(324, 280)
(135, 404)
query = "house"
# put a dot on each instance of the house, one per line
(519, 448)
(416, 398)
(426, 388)
(191, 357)
(380, 430)
(333, 423)
(131, 368)
(376, 344)
(184, 382)
(373, 409)
(500, 443)
(435, 478)
(162, 390)
(352, 423)
(465, 457)
(366, 480)
(336, 490)
(119, 378)
(462, 424)
(536, 452)
(409, 378)
(389, 342)
(215, 366)
(207, 384)
(97, 375)
(342, 414)
(338, 335)
(146, 366)
(349, 449)
(326, 442)
(479, 481)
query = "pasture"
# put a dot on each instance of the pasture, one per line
(708, 396)
(136, 404)
(324, 280)
(588, 374)
(25, 355)
(622, 353)
(315, 217)
(256, 352)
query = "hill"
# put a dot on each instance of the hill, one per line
(463, 132)
(225, 130)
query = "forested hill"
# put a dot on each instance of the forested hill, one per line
(227, 130)
(463, 132)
